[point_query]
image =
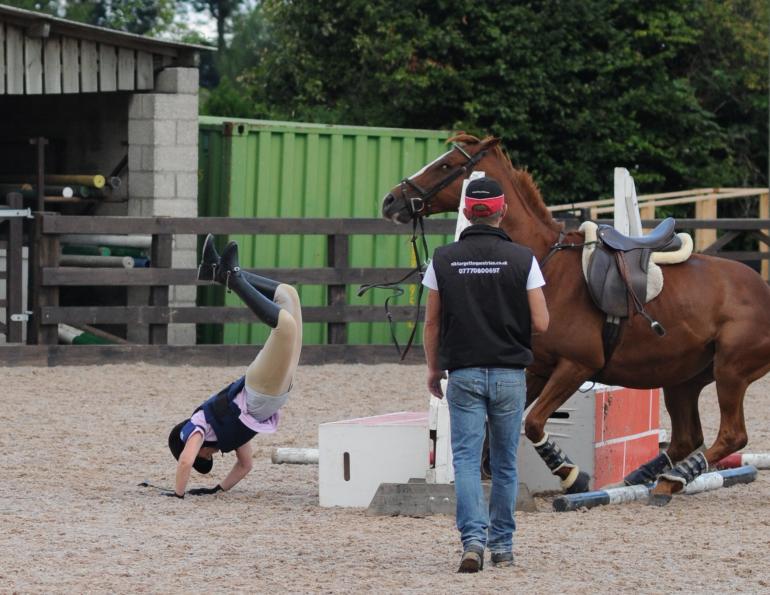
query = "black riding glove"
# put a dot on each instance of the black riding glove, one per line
(205, 491)
(173, 494)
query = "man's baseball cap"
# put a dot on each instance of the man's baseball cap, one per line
(483, 197)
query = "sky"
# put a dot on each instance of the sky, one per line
(204, 23)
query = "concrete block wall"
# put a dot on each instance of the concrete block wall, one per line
(163, 166)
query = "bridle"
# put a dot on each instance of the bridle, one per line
(417, 206)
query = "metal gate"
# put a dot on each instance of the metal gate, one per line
(12, 217)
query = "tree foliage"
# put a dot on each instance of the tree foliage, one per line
(675, 90)
(222, 11)
(47, 6)
(150, 17)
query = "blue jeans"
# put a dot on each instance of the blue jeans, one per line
(476, 395)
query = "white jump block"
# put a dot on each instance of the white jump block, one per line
(572, 427)
(440, 469)
(607, 430)
(462, 221)
(626, 206)
(357, 455)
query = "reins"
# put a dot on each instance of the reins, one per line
(558, 246)
(417, 206)
(394, 286)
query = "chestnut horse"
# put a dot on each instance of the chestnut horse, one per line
(716, 312)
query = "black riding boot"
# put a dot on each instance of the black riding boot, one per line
(210, 269)
(230, 275)
(263, 285)
(209, 260)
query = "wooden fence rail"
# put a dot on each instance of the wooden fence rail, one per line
(156, 314)
(336, 276)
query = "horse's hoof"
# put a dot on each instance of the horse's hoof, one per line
(659, 499)
(580, 484)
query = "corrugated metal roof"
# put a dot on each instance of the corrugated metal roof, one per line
(27, 18)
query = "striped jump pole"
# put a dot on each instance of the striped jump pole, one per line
(739, 459)
(703, 483)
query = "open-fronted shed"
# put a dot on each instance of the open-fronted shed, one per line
(99, 122)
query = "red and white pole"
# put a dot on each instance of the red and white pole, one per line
(738, 459)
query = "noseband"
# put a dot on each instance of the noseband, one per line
(420, 203)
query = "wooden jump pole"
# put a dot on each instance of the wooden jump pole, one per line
(759, 460)
(92, 180)
(295, 456)
(703, 483)
(86, 260)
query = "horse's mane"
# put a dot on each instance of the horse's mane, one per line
(521, 180)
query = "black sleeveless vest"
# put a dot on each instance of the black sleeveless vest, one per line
(485, 317)
(223, 415)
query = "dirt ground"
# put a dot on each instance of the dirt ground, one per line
(76, 441)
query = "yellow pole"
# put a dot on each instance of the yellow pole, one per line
(91, 180)
(412, 288)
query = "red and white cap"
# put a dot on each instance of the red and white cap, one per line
(483, 197)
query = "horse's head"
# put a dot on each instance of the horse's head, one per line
(436, 187)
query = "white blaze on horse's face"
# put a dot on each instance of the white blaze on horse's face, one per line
(428, 166)
(387, 206)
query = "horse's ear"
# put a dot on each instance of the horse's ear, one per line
(490, 143)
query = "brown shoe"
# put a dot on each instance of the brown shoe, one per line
(472, 561)
(502, 559)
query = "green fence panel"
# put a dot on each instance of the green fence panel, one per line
(253, 168)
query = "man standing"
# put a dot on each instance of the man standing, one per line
(485, 300)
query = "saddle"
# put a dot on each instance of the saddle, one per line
(660, 239)
(622, 272)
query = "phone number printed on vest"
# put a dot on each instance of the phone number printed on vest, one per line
(479, 267)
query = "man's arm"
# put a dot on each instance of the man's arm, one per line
(241, 468)
(430, 343)
(538, 310)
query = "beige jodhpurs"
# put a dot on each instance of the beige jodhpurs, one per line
(272, 371)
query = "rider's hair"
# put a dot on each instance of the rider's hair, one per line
(490, 220)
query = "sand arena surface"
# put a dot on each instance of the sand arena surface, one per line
(76, 441)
